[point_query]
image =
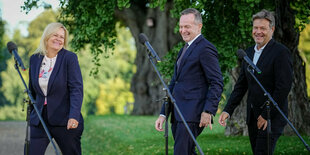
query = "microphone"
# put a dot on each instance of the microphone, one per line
(13, 49)
(242, 54)
(143, 40)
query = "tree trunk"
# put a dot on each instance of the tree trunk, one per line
(145, 84)
(237, 124)
(285, 33)
(298, 106)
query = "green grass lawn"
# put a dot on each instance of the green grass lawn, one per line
(135, 135)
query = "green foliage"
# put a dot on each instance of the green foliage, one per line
(227, 24)
(91, 24)
(90, 84)
(302, 13)
(114, 97)
(28, 5)
(12, 86)
(4, 55)
(123, 4)
(35, 3)
(167, 64)
(1, 32)
(9, 112)
(304, 41)
(110, 88)
(304, 48)
(158, 3)
(131, 135)
(37, 26)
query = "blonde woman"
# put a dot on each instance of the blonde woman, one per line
(56, 84)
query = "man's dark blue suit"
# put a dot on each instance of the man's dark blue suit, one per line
(197, 86)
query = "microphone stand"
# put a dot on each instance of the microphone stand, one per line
(27, 138)
(173, 101)
(166, 103)
(274, 103)
(32, 101)
(268, 126)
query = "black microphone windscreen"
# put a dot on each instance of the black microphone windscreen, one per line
(142, 38)
(11, 46)
(241, 53)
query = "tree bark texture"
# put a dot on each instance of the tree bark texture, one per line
(236, 125)
(298, 105)
(145, 84)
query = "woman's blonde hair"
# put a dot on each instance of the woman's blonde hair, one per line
(49, 30)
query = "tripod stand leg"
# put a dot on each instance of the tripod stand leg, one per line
(166, 137)
(166, 127)
(268, 128)
(27, 138)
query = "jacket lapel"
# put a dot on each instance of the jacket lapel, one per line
(55, 69)
(188, 52)
(37, 72)
(264, 53)
(251, 54)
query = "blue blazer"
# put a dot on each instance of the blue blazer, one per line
(65, 89)
(198, 84)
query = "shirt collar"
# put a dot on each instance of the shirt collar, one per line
(190, 42)
(260, 50)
